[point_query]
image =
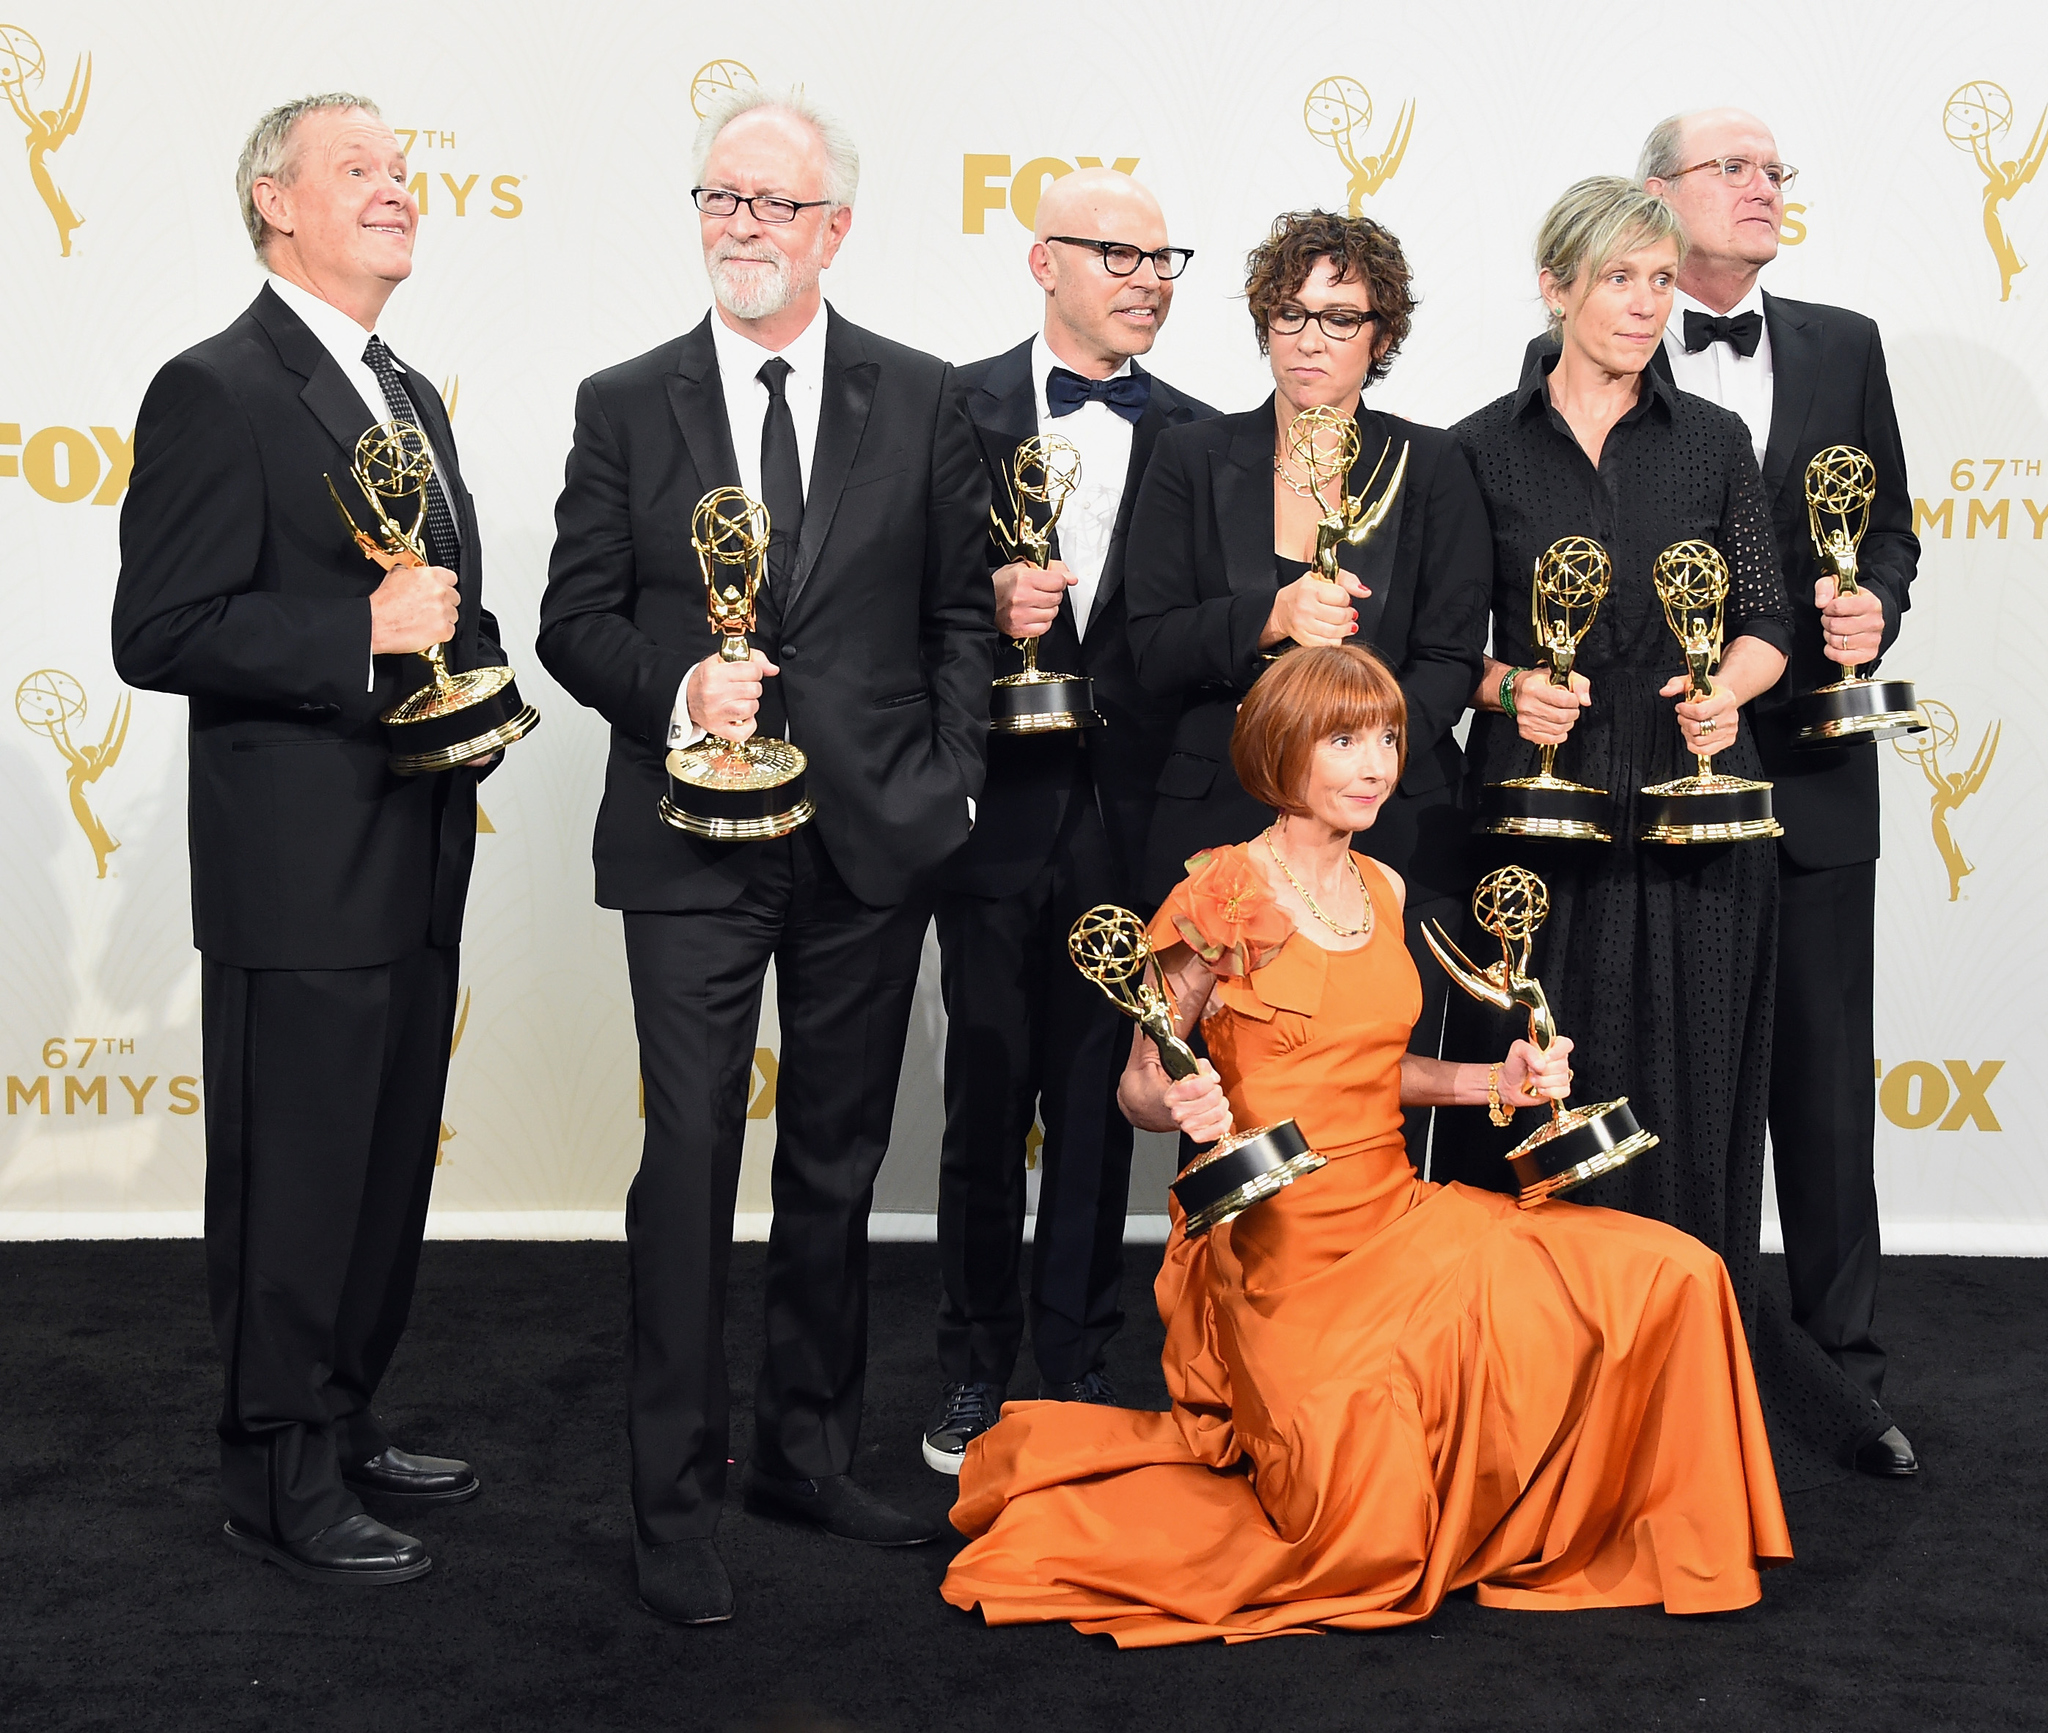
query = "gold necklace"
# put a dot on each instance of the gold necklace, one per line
(1301, 890)
(1308, 493)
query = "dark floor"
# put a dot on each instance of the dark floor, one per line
(1914, 1606)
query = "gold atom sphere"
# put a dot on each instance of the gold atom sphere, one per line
(729, 526)
(21, 58)
(1690, 575)
(1109, 944)
(1337, 108)
(1046, 467)
(1574, 572)
(393, 460)
(1977, 110)
(1841, 480)
(1943, 731)
(49, 698)
(1323, 442)
(1511, 903)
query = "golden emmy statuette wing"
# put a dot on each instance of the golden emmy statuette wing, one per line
(1110, 946)
(1044, 471)
(454, 718)
(1570, 581)
(1841, 485)
(1576, 1144)
(1691, 581)
(750, 789)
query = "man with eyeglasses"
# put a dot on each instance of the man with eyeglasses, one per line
(1804, 377)
(874, 650)
(1061, 827)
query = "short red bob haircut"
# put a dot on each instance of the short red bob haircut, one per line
(1299, 702)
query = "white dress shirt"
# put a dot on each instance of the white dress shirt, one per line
(1738, 382)
(1103, 438)
(746, 409)
(345, 340)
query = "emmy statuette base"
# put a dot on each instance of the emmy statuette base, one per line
(1222, 1183)
(737, 791)
(472, 714)
(1546, 806)
(1856, 710)
(1697, 809)
(1042, 703)
(1581, 1144)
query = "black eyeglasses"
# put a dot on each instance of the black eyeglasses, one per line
(1121, 259)
(1339, 324)
(717, 202)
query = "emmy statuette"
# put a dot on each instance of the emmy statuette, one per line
(1691, 580)
(1324, 445)
(734, 790)
(1579, 1143)
(1569, 584)
(454, 717)
(1841, 483)
(1110, 946)
(1044, 470)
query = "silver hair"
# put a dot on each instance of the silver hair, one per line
(1597, 220)
(268, 154)
(1660, 160)
(842, 157)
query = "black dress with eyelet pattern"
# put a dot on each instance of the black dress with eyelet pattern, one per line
(1660, 960)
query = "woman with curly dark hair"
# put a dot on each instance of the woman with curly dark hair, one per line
(1219, 579)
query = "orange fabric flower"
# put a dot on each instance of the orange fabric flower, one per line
(1231, 920)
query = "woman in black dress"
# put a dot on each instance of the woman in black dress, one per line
(1660, 959)
(1217, 574)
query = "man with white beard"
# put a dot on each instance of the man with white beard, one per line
(874, 647)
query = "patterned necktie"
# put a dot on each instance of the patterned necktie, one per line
(444, 548)
(782, 476)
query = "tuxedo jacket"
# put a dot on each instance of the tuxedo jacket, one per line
(884, 632)
(1200, 580)
(1033, 778)
(241, 589)
(1828, 387)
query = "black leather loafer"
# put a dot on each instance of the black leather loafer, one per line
(1889, 1455)
(683, 1581)
(396, 1476)
(358, 1549)
(836, 1505)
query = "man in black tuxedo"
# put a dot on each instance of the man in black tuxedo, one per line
(1804, 377)
(875, 646)
(1061, 827)
(327, 892)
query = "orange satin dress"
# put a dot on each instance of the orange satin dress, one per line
(1384, 1390)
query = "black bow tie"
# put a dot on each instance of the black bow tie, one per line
(1127, 394)
(1741, 333)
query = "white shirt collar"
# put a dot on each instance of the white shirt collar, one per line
(740, 357)
(1682, 303)
(339, 334)
(1043, 361)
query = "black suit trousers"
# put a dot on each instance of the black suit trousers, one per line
(845, 974)
(323, 1115)
(1824, 1109)
(1025, 1035)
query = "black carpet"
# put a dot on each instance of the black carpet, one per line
(1914, 1606)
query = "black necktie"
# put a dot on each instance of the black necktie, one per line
(1127, 394)
(443, 547)
(782, 478)
(1741, 333)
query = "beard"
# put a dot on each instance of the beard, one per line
(751, 292)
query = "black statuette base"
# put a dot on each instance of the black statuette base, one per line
(1584, 1144)
(1546, 807)
(1241, 1171)
(1049, 704)
(441, 742)
(1714, 809)
(1856, 710)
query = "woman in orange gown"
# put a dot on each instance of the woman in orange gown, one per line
(1383, 1390)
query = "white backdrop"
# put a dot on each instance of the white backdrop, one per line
(553, 152)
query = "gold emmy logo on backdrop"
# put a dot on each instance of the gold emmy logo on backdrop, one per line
(1338, 113)
(714, 81)
(447, 1130)
(1977, 115)
(48, 702)
(1951, 787)
(21, 65)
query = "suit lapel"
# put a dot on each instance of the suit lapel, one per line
(334, 402)
(848, 394)
(1795, 375)
(696, 398)
(1241, 476)
(1145, 434)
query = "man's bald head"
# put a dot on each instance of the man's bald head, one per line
(1094, 321)
(1669, 150)
(1732, 227)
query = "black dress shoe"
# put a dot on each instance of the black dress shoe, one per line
(1091, 1387)
(836, 1505)
(1888, 1454)
(964, 1413)
(358, 1549)
(683, 1581)
(417, 1482)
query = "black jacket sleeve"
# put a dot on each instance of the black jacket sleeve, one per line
(957, 612)
(1181, 638)
(1447, 643)
(1890, 555)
